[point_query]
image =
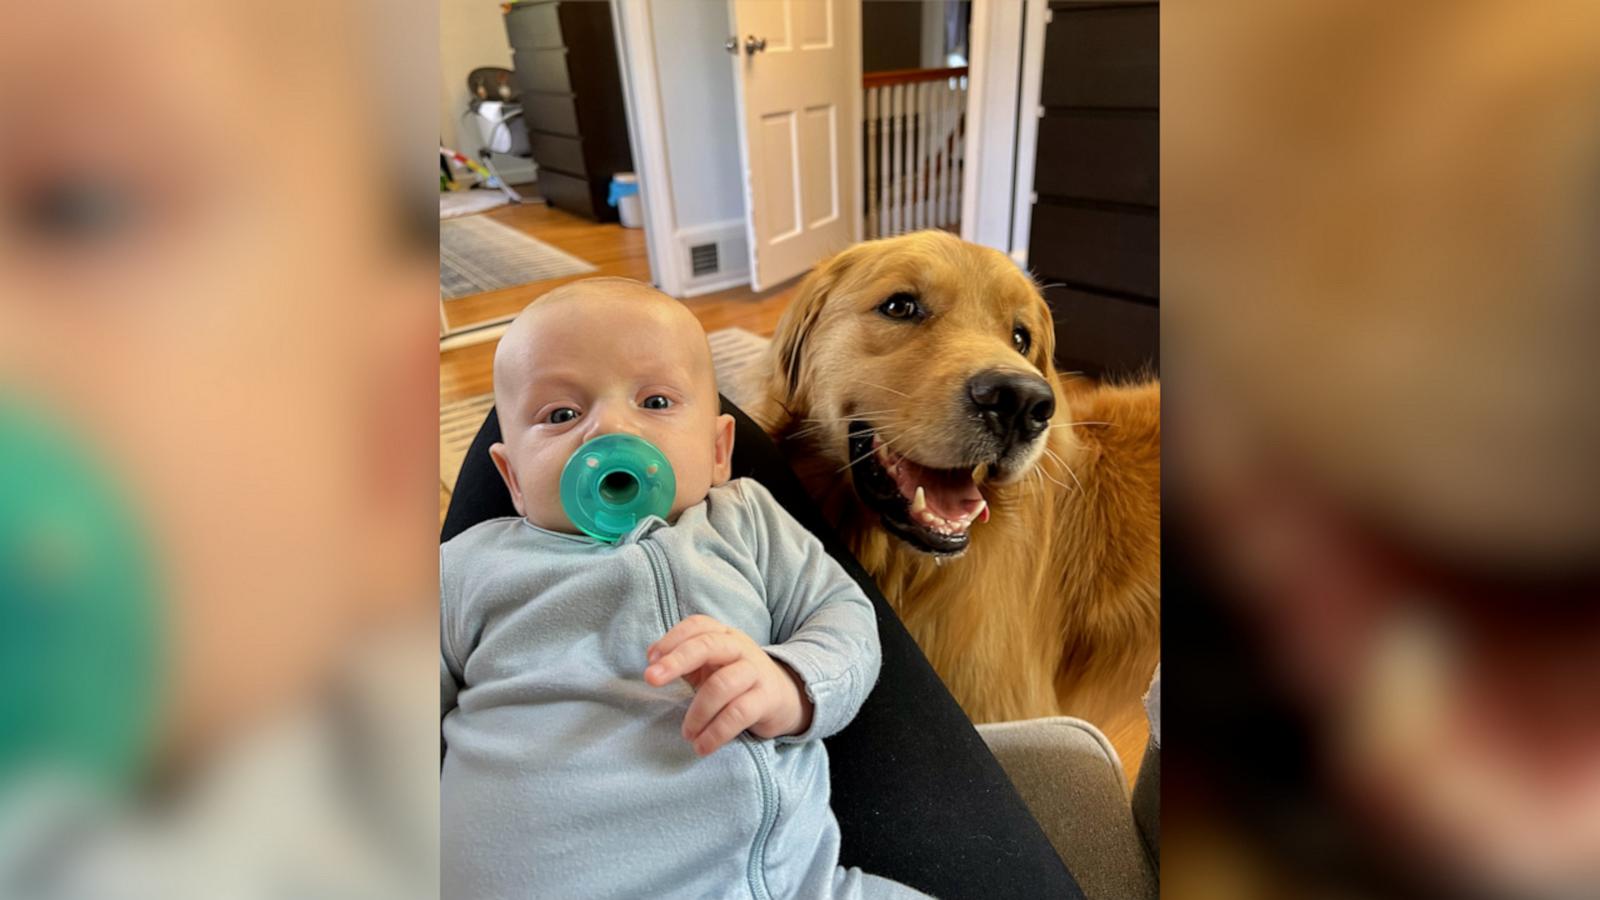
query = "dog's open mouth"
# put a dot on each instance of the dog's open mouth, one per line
(931, 509)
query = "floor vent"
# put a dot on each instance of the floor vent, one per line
(703, 259)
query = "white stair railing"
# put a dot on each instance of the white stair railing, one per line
(914, 147)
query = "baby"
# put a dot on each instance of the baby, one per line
(643, 718)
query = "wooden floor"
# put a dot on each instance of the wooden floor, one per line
(467, 371)
(613, 249)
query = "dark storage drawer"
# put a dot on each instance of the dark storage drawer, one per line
(1095, 221)
(551, 113)
(563, 154)
(542, 70)
(565, 56)
(1102, 248)
(533, 25)
(1111, 156)
(1100, 335)
(575, 195)
(1102, 56)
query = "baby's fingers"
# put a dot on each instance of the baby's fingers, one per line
(717, 649)
(716, 692)
(740, 713)
(693, 626)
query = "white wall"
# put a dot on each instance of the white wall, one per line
(933, 35)
(995, 46)
(472, 33)
(697, 102)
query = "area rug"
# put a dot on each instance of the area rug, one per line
(735, 356)
(477, 254)
(453, 204)
(458, 425)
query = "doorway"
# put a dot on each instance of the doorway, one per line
(533, 119)
(914, 100)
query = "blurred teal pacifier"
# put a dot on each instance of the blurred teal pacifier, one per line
(615, 481)
(80, 649)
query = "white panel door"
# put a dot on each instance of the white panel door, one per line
(797, 71)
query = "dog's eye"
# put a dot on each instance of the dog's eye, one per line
(1021, 339)
(901, 306)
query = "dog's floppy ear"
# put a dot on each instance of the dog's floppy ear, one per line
(788, 344)
(1045, 339)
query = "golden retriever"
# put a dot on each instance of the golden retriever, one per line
(1012, 525)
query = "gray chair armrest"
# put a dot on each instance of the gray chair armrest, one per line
(1147, 790)
(1072, 781)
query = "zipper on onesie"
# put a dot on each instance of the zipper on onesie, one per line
(667, 606)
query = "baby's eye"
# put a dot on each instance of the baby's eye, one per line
(657, 401)
(561, 416)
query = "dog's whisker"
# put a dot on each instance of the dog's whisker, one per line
(1058, 481)
(886, 388)
(1063, 464)
(856, 415)
(1035, 480)
(810, 429)
(1070, 424)
(844, 419)
(863, 456)
(838, 420)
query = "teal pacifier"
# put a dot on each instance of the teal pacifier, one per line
(615, 481)
(79, 632)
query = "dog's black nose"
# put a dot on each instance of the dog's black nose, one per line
(1014, 406)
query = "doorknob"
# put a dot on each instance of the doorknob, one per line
(731, 44)
(754, 45)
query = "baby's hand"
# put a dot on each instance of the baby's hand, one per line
(737, 685)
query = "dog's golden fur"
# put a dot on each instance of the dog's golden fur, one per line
(1054, 608)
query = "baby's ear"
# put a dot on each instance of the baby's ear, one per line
(497, 452)
(722, 468)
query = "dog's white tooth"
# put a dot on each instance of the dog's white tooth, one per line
(982, 514)
(919, 503)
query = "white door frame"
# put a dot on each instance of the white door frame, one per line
(1003, 79)
(1036, 15)
(647, 135)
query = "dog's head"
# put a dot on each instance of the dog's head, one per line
(921, 366)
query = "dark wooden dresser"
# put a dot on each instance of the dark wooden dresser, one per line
(1096, 224)
(565, 57)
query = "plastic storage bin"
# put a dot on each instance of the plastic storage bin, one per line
(625, 197)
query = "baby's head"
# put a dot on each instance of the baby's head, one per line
(602, 356)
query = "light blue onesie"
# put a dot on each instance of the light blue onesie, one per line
(566, 775)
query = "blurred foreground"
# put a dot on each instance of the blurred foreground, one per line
(217, 388)
(1381, 250)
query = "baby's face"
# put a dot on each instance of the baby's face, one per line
(602, 364)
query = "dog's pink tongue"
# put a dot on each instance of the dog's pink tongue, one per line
(949, 494)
